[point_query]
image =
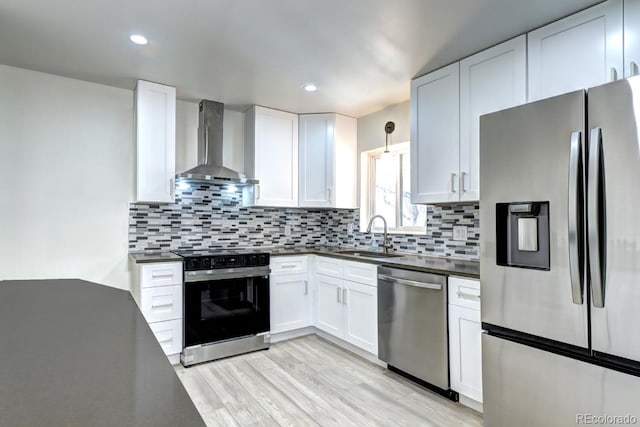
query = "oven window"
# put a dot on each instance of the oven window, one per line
(223, 309)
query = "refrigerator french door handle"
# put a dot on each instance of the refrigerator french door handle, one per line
(576, 209)
(594, 217)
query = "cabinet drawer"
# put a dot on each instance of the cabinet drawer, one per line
(464, 292)
(169, 335)
(289, 265)
(329, 266)
(361, 272)
(161, 274)
(161, 303)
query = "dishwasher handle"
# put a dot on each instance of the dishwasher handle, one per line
(435, 286)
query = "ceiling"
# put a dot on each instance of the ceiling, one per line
(360, 53)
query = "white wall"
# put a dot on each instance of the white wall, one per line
(371, 134)
(66, 178)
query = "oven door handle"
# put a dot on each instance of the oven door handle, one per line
(225, 273)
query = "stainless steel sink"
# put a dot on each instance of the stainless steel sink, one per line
(367, 254)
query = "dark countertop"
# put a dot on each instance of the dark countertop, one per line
(76, 353)
(448, 266)
(142, 257)
(453, 267)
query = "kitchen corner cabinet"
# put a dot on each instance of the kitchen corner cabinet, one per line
(465, 336)
(327, 161)
(491, 80)
(290, 293)
(631, 38)
(157, 289)
(580, 51)
(271, 155)
(446, 106)
(155, 121)
(347, 301)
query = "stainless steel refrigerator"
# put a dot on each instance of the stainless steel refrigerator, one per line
(560, 259)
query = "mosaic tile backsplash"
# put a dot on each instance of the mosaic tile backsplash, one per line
(211, 216)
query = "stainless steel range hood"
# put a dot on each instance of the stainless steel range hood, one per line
(210, 149)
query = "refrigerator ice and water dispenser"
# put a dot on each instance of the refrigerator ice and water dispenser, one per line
(522, 234)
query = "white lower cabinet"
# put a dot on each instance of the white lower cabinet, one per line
(157, 289)
(290, 302)
(329, 309)
(291, 294)
(348, 309)
(169, 335)
(465, 337)
(361, 327)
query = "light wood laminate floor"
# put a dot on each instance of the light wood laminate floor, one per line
(308, 382)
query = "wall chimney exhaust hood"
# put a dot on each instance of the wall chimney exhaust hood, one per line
(210, 150)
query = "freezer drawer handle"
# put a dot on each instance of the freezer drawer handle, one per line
(576, 209)
(399, 281)
(596, 215)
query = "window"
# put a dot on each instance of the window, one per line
(386, 191)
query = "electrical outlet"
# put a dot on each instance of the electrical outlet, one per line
(287, 230)
(349, 229)
(459, 233)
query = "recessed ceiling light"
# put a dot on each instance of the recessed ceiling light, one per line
(138, 39)
(310, 87)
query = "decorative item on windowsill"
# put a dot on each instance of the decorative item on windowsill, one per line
(389, 127)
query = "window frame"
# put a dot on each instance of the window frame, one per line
(368, 162)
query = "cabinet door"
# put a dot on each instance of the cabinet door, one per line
(491, 80)
(169, 335)
(631, 38)
(465, 351)
(161, 303)
(329, 266)
(155, 142)
(316, 147)
(435, 136)
(361, 329)
(580, 51)
(276, 157)
(290, 301)
(330, 314)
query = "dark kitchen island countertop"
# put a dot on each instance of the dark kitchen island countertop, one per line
(75, 353)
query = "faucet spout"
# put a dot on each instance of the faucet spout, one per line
(387, 243)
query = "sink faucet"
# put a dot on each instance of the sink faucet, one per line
(386, 242)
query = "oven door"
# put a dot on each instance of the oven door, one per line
(224, 304)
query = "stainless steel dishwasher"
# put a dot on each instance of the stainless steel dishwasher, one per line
(412, 327)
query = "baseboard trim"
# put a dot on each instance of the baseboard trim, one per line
(471, 403)
(289, 335)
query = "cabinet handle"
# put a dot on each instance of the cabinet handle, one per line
(257, 191)
(453, 182)
(339, 292)
(306, 287)
(288, 265)
(633, 68)
(329, 194)
(344, 296)
(614, 74)
(172, 187)
(463, 188)
(464, 295)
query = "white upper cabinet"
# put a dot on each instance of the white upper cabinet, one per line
(271, 155)
(155, 111)
(491, 80)
(327, 161)
(435, 144)
(631, 38)
(580, 51)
